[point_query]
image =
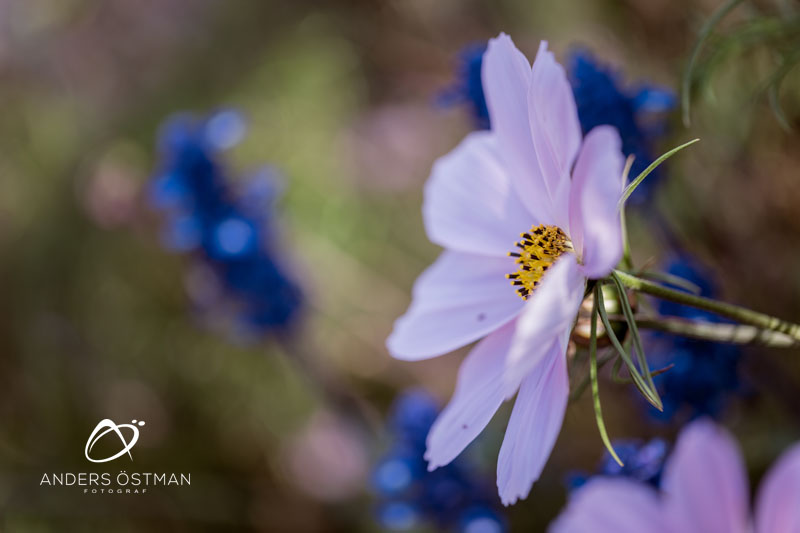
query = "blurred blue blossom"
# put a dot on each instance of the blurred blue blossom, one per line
(642, 462)
(638, 113)
(225, 227)
(705, 374)
(456, 497)
(468, 86)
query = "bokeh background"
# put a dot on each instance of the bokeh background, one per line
(342, 98)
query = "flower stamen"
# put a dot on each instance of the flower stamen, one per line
(539, 249)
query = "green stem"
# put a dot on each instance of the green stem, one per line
(598, 411)
(714, 331)
(626, 244)
(734, 312)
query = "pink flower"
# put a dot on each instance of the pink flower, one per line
(531, 175)
(704, 491)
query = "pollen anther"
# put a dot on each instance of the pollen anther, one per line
(538, 250)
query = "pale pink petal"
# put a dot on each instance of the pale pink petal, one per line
(554, 128)
(470, 205)
(534, 425)
(778, 502)
(611, 505)
(704, 483)
(549, 313)
(478, 394)
(506, 78)
(596, 189)
(459, 299)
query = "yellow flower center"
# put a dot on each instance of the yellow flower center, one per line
(538, 250)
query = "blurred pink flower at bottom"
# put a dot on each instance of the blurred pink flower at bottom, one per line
(704, 490)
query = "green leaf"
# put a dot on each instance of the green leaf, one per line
(640, 178)
(598, 411)
(773, 96)
(637, 340)
(774, 89)
(627, 381)
(705, 31)
(638, 381)
(758, 32)
(615, 373)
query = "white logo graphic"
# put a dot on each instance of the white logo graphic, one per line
(106, 426)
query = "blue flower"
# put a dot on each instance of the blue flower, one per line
(224, 227)
(638, 114)
(412, 415)
(468, 87)
(456, 497)
(642, 462)
(705, 374)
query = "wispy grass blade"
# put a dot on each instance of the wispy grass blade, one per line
(638, 380)
(705, 31)
(640, 178)
(627, 381)
(598, 411)
(615, 377)
(637, 340)
(774, 89)
(773, 97)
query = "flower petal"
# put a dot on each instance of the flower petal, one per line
(778, 502)
(506, 76)
(705, 483)
(534, 425)
(470, 205)
(459, 299)
(596, 189)
(611, 505)
(554, 128)
(478, 394)
(548, 315)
